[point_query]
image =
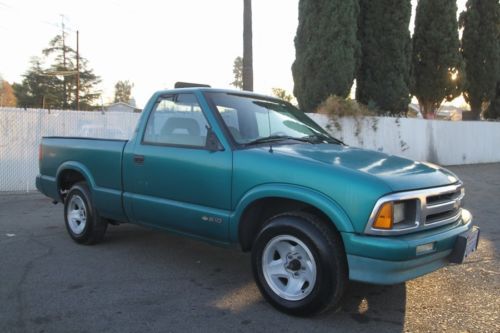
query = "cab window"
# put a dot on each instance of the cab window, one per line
(177, 120)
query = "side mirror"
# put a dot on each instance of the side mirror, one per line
(212, 143)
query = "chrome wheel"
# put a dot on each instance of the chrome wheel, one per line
(289, 267)
(76, 214)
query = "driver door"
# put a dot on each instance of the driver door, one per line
(173, 180)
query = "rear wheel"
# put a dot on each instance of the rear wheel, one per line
(83, 222)
(299, 264)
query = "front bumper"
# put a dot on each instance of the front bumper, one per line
(391, 260)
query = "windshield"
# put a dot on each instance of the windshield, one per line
(252, 119)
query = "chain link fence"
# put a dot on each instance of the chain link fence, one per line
(447, 143)
(21, 132)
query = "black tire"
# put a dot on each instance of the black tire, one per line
(88, 227)
(326, 248)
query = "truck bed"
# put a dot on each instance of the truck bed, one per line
(100, 158)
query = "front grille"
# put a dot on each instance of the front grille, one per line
(442, 216)
(442, 207)
(425, 209)
(434, 199)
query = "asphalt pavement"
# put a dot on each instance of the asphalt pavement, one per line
(141, 280)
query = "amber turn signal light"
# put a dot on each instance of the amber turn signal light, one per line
(384, 217)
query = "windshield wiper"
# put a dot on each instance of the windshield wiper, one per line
(273, 138)
(321, 138)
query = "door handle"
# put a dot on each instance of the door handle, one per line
(139, 159)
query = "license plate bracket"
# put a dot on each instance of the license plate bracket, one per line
(465, 244)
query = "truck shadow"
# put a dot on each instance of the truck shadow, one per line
(223, 284)
(365, 304)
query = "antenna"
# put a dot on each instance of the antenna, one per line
(77, 70)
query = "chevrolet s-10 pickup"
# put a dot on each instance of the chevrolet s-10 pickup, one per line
(242, 169)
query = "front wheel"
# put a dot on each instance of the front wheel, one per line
(83, 223)
(299, 264)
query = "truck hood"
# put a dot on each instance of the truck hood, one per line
(398, 173)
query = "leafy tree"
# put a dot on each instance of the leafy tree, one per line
(481, 52)
(493, 111)
(238, 73)
(37, 90)
(7, 97)
(67, 85)
(61, 51)
(282, 94)
(54, 86)
(247, 46)
(384, 75)
(437, 64)
(326, 50)
(123, 91)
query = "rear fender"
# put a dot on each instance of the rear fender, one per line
(78, 167)
(107, 201)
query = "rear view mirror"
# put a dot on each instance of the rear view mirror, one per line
(212, 143)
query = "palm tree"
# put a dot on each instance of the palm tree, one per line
(247, 46)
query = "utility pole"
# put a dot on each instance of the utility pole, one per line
(247, 46)
(77, 70)
(65, 102)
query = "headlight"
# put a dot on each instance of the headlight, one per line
(399, 212)
(395, 215)
(404, 212)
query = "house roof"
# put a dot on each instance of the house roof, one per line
(122, 104)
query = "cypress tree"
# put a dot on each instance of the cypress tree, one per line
(481, 52)
(437, 64)
(384, 74)
(493, 111)
(326, 50)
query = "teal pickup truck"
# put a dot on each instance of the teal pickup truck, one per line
(237, 168)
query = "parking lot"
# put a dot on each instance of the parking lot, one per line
(140, 280)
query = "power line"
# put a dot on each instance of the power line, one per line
(3, 4)
(55, 25)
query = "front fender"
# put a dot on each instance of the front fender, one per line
(286, 191)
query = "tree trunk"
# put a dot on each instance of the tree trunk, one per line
(475, 111)
(430, 114)
(427, 109)
(247, 46)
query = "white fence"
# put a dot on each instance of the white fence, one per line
(21, 131)
(442, 142)
(438, 141)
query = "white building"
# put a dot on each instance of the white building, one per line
(121, 107)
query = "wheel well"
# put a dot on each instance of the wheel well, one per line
(258, 212)
(67, 179)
